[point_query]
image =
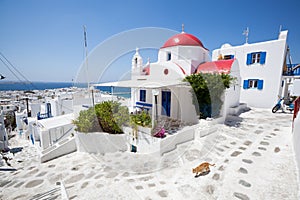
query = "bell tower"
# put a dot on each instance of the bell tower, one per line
(137, 63)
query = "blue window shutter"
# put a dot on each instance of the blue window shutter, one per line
(260, 84)
(249, 58)
(231, 56)
(246, 82)
(263, 57)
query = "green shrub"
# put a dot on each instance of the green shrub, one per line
(87, 121)
(141, 119)
(108, 116)
(112, 116)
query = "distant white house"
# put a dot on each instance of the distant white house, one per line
(262, 67)
(3, 133)
(47, 132)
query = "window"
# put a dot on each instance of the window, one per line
(253, 83)
(256, 57)
(169, 56)
(228, 57)
(143, 95)
(135, 61)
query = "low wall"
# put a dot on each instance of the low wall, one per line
(170, 142)
(100, 142)
(296, 139)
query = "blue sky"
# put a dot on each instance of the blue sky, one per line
(44, 39)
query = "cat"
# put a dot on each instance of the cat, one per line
(204, 167)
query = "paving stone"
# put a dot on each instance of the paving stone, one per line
(273, 134)
(247, 143)
(163, 193)
(151, 185)
(264, 143)
(258, 131)
(247, 161)
(139, 187)
(241, 196)
(242, 148)
(256, 153)
(34, 183)
(210, 189)
(216, 176)
(243, 170)
(244, 183)
(219, 149)
(233, 143)
(221, 168)
(262, 148)
(236, 153)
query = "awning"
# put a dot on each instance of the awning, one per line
(142, 83)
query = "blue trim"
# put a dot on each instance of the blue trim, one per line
(249, 58)
(260, 84)
(139, 104)
(262, 57)
(246, 83)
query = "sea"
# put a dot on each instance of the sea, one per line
(22, 86)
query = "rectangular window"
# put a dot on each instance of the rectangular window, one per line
(143, 95)
(228, 57)
(253, 83)
(169, 56)
(256, 57)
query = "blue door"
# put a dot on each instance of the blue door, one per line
(166, 103)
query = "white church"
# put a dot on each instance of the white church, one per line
(159, 87)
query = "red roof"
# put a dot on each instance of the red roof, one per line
(220, 66)
(146, 70)
(183, 39)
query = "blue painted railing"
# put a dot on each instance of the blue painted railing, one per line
(292, 70)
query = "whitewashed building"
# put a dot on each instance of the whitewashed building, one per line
(261, 68)
(3, 133)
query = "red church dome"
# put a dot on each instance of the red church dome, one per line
(183, 39)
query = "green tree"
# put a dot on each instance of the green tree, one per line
(208, 90)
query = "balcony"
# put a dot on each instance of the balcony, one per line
(292, 70)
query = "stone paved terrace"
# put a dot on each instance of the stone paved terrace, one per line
(254, 159)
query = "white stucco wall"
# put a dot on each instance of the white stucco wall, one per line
(296, 88)
(232, 94)
(270, 72)
(49, 137)
(296, 139)
(188, 57)
(62, 148)
(100, 142)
